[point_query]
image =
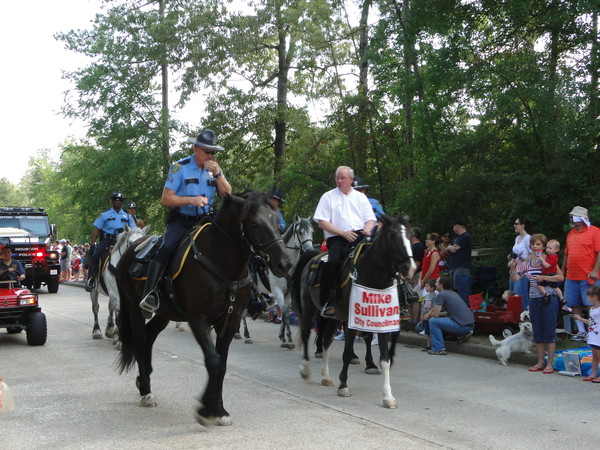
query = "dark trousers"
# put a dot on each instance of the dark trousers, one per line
(99, 251)
(335, 246)
(176, 229)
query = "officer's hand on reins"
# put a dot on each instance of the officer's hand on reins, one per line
(200, 201)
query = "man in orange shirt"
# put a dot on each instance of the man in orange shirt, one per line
(581, 264)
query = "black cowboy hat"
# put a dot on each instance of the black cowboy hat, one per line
(277, 195)
(117, 195)
(206, 139)
(358, 183)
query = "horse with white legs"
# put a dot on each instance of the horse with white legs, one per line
(106, 282)
(297, 239)
(375, 266)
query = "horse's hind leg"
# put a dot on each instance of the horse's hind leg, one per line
(330, 327)
(347, 357)
(96, 332)
(248, 339)
(371, 368)
(109, 332)
(143, 355)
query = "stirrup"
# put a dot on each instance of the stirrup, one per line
(328, 311)
(148, 305)
(90, 285)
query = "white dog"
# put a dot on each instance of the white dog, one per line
(520, 342)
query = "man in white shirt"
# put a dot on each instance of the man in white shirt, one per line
(344, 214)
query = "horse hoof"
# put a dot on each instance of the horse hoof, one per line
(117, 346)
(288, 345)
(343, 392)
(147, 401)
(327, 382)
(355, 361)
(209, 421)
(109, 332)
(181, 328)
(97, 334)
(237, 336)
(248, 341)
(390, 404)
(304, 370)
(372, 371)
(319, 355)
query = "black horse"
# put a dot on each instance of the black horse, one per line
(377, 267)
(212, 290)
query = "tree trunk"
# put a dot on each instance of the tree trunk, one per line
(164, 112)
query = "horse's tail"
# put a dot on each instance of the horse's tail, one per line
(296, 289)
(127, 355)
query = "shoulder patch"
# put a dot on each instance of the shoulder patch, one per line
(175, 168)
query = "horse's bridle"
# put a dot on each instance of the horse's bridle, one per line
(301, 243)
(259, 248)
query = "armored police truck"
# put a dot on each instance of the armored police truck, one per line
(31, 245)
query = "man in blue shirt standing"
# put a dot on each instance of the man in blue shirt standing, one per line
(459, 260)
(189, 190)
(106, 227)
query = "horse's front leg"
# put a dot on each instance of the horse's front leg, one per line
(347, 357)
(96, 332)
(211, 411)
(386, 362)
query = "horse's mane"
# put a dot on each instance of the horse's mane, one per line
(254, 199)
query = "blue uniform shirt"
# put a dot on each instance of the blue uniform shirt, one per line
(113, 222)
(377, 208)
(188, 180)
(281, 221)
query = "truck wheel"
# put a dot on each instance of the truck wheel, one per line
(14, 330)
(37, 330)
(53, 285)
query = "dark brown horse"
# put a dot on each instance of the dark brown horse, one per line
(377, 267)
(212, 290)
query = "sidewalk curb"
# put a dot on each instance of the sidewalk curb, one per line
(478, 350)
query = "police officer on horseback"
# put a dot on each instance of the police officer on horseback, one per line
(189, 190)
(106, 227)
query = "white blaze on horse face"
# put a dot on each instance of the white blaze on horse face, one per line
(408, 247)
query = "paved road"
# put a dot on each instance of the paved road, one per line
(67, 395)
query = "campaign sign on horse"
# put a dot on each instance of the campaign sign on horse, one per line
(374, 310)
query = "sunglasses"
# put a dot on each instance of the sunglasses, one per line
(209, 152)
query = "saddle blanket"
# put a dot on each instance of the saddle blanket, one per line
(374, 310)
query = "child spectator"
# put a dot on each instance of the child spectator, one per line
(426, 307)
(593, 323)
(505, 296)
(550, 267)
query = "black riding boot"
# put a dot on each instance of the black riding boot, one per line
(90, 284)
(150, 302)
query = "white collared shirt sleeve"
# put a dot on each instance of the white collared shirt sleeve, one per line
(348, 212)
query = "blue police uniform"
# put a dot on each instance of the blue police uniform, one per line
(282, 224)
(377, 208)
(111, 223)
(187, 180)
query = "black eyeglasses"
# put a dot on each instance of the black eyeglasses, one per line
(208, 152)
